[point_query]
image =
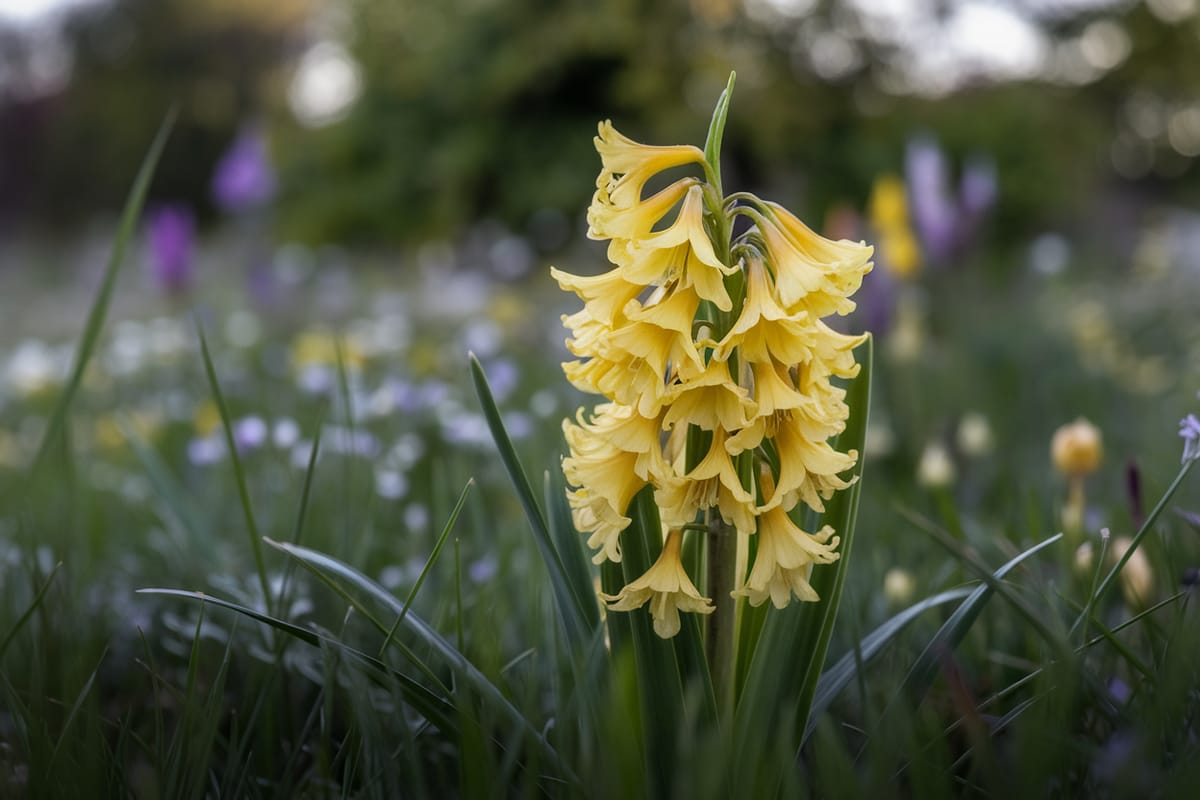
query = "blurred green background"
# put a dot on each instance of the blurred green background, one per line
(397, 122)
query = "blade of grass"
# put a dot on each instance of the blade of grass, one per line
(74, 712)
(99, 311)
(451, 657)
(429, 562)
(578, 619)
(921, 674)
(1035, 620)
(1106, 584)
(28, 612)
(430, 705)
(239, 473)
(837, 677)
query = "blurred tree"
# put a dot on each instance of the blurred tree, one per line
(215, 60)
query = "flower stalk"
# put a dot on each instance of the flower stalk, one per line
(716, 371)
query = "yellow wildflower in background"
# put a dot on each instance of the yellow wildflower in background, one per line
(716, 371)
(888, 209)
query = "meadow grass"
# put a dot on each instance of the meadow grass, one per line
(280, 620)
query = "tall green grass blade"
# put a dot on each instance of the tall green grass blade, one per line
(99, 311)
(1151, 518)
(848, 667)
(428, 704)
(73, 714)
(239, 472)
(952, 631)
(429, 562)
(573, 613)
(29, 611)
(965, 556)
(463, 670)
(789, 655)
(570, 547)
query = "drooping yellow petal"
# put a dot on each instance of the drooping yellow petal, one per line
(603, 295)
(711, 400)
(635, 163)
(606, 221)
(811, 270)
(784, 560)
(668, 589)
(612, 457)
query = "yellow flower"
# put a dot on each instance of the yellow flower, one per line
(612, 457)
(668, 589)
(889, 216)
(635, 163)
(784, 560)
(1076, 448)
(718, 384)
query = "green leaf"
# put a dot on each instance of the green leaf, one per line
(433, 708)
(464, 671)
(579, 618)
(28, 612)
(921, 674)
(239, 473)
(716, 133)
(837, 677)
(99, 311)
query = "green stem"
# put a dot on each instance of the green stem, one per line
(722, 623)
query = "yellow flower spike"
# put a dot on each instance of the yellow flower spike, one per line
(668, 589)
(703, 381)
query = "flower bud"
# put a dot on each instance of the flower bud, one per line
(1076, 448)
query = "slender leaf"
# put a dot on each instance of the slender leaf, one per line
(450, 656)
(432, 707)
(576, 619)
(28, 612)
(99, 311)
(837, 677)
(239, 473)
(920, 675)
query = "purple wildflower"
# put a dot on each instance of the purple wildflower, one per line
(1189, 429)
(171, 238)
(244, 179)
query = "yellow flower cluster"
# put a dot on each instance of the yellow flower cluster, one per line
(716, 367)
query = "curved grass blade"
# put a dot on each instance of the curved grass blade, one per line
(981, 569)
(921, 674)
(99, 311)
(434, 708)
(579, 619)
(1106, 584)
(453, 659)
(239, 473)
(429, 562)
(28, 612)
(837, 677)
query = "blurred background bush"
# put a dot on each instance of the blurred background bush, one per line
(396, 122)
